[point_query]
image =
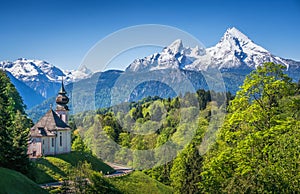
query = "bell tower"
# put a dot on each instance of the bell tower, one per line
(62, 100)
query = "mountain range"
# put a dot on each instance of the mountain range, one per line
(234, 51)
(37, 80)
(235, 55)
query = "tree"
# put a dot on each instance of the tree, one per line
(185, 173)
(78, 143)
(257, 146)
(14, 127)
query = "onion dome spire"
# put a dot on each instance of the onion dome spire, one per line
(62, 100)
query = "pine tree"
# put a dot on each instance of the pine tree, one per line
(14, 127)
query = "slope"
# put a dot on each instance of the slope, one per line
(138, 182)
(14, 182)
(53, 168)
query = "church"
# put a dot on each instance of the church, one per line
(51, 135)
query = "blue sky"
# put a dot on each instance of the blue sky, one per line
(62, 31)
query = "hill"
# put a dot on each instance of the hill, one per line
(54, 168)
(14, 182)
(138, 182)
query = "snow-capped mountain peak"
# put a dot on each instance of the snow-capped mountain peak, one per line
(234, 50)
(233, 33)
(38, 74)
(174, 47)
(76, 75)
(236, 40)
(174, 56)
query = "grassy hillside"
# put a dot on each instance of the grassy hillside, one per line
(55, 168)
(138, 182)
(14, 182)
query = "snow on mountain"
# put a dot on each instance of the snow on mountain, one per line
(76, 75)
(173, 56)
(234, 50)
(42, 76)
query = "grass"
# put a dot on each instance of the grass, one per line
(55, 168)
(138, 182)
(14, 182)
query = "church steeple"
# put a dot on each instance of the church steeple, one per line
(62, 88)
(62, 100)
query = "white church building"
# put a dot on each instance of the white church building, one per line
(51, 135)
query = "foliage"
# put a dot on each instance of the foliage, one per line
(185, 173)
(257, 147)
(14, 128)
(146, 125)
(78, 144)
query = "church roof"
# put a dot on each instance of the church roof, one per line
(49, 123)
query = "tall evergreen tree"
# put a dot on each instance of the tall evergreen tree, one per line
(185, 173)
(14, 127)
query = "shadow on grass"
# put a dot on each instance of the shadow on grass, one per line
(75, 157)
(46, 171)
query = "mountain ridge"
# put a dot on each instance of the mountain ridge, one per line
(235, 55)
(234, 50)
(41, 76)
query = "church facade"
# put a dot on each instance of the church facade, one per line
(51, 135)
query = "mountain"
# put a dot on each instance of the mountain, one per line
(29, 96)
(162, 74)
(41, 76)
(174, 56)
(234, 51)
(235, 56)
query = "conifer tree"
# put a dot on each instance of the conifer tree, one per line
(14, 127)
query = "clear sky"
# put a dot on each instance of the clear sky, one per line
(62, 31)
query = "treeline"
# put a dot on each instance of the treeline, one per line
(14, 127)
(254, 149)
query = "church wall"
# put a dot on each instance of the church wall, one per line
(65, 145)
(48, 147)
(35, 148)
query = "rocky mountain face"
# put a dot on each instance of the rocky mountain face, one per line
(234, 51)
(164, 74)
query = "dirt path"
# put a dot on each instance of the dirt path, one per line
(120, 170)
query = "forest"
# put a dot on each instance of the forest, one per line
(208, 142)
(203, 142)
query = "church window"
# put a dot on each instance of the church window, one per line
(52, 142)
(60, 139)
